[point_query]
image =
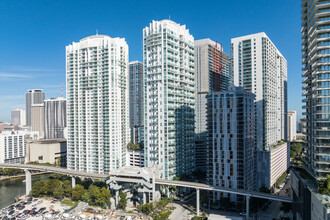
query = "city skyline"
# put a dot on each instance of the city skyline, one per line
(33, 62)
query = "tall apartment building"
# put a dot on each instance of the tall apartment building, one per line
(97, 104)
(136, 101)
(232, 141)
(13, 145)
(292, 125)
(33, 96)
(169, 98)
(18, 117)
(260, 68)
(209, 77)
(38, 119)
(316, 72)
(55, 118)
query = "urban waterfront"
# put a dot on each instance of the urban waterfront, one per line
(10, 189)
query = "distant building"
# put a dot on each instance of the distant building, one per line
(292, 125)
(4, 125)
(169, 91)
(136, 101)
(13, 145)
(231, 140)
(209, 77)
(55, 118)
(38, 119)
(46, 151)
(33, 96)
(18, 117)
(97, 104)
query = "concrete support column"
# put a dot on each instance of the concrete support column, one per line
(153, 186)
(197, 201)
(144, 198)
(73, 182)
(117, 198)
(247, 207)
(28, 182)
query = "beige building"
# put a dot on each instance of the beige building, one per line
(46, 151)
(38, 119)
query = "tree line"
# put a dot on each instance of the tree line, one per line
(60, 186)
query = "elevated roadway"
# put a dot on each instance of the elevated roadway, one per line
(127, 177)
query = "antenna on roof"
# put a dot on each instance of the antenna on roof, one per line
(169, 17)
(97, 32)
(62, 87)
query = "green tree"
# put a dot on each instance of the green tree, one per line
(132, 146)
(51, 184)
(37, 189)
(139, 207)
(295, 150)
(122, 199)
(106, 194)
(95, 194)
(86, 197)
(149, 208)
(58, 162)
(67, 188)
(77, 192)
(58, 193)
(162, 215)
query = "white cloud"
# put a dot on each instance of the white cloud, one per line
(15, 75)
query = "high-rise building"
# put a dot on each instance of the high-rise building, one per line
(55, 118)
(136, 101)
(38, 119)
(18, 117)
(231, 140)
(316, 79)
(209, 77)
(260, 68)
(97, 104)
(169, 98)
(292, 125)
(33, 96)
(13, 145)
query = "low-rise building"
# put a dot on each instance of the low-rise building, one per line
(308, 203)
(13, 145)
(272, 164)
(47, 151)
(135, 158)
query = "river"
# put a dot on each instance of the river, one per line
(10, 189)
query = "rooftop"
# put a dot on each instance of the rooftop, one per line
(50, 141)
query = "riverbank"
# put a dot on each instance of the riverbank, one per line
(15, 177)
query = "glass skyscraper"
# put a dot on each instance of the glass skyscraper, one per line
(136, 101)
(316, 79)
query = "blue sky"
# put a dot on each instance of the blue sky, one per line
(33, 35)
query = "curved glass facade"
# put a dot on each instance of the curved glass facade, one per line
(316, 66)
